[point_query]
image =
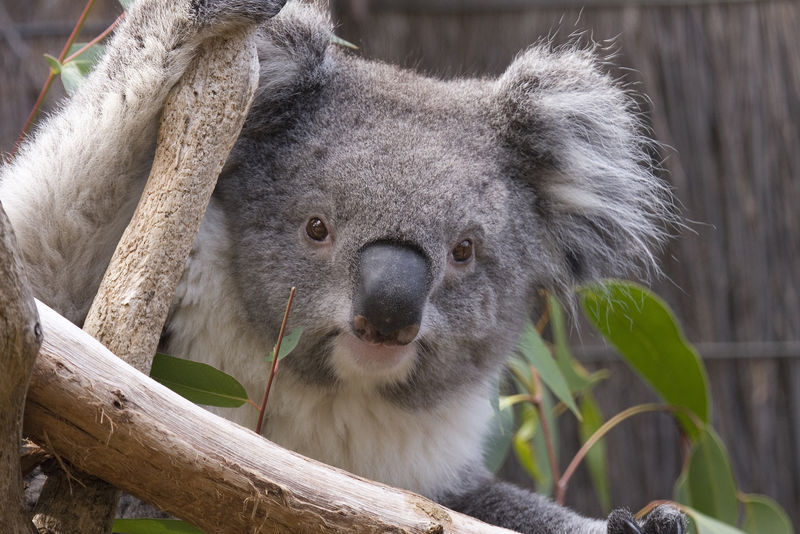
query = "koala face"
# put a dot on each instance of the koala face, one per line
(426, 181)
(476, 194)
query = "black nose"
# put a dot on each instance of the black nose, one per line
(390, 293)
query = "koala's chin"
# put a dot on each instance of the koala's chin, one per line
(371, 364)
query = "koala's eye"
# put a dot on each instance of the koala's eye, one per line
(463, 251)
(316, 229)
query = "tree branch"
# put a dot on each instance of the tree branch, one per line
(20, 336)
(112, 421)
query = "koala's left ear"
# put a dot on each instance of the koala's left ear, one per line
(574, 136)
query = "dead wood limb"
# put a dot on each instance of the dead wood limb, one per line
(112, 421)
(201, 121)
(20, 336)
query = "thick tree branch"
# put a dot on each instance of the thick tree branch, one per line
(201, 121)
(20, 336)
(112, 421)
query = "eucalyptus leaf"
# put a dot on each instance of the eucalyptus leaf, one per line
(198, 382)
(54, 64)
(523, 447)
(89, 57)
(712, 488)
(289, 342)
(498, 441)
(704, 524)
(763, 515)
(71, 77)
(74, 72)
(576, 377)
(644, 330)
(539, 442)
(680, 491)
(153, 526)
(533, 348)
(596, 459)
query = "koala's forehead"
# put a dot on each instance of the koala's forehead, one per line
(389, 133)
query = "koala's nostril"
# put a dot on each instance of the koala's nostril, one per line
(367, 332)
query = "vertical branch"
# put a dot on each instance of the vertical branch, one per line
(202, 119)
(20, 337)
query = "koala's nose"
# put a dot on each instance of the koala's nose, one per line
(390, 293)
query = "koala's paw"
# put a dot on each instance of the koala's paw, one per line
(664, 519)
(221, 13)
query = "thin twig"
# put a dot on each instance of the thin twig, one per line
(544, 319)
(649, 507)
(275, 353)
(50, 77)
(536, 400)
(97, 39)
(561, 486)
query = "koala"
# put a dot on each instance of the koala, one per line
(418, 218)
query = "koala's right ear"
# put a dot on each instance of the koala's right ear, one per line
(292, 48)
(575, 139)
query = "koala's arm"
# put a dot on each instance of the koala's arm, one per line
(73, 186)
(503, 504)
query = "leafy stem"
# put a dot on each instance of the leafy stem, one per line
(62, 58)
(537, 401)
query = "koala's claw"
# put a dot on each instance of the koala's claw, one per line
(662, 520)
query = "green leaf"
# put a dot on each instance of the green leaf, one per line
(539, 442)
(73, 73)
(523, 447)
(681, 491)
(55, 65)
(763, 515)
(576, 377)
(89, 57)
(707, 525)
(126, 4)
(153, 526)
(198, 382)
(498, 442)
(644, 330)
(537, 354)
(289, 343)
(596, 457)
(712, 488)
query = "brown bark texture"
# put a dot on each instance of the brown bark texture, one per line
(201, 121)
(109, 420)
(20, 336)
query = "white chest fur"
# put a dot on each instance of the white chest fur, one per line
(350, 427)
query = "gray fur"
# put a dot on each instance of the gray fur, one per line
(545, 170)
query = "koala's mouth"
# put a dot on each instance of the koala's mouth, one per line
(353, 358)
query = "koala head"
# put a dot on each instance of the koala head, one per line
(420, 218)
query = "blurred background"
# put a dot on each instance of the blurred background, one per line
(722, 79)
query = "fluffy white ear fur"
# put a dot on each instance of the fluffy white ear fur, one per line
(578, 142)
